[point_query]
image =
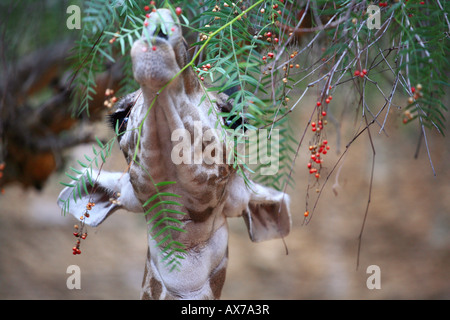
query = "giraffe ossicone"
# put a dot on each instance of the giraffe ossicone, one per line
(210, 192)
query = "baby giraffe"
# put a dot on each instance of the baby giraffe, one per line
(210, 191)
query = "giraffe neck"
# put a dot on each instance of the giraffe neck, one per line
(202, 190)
(201, 275)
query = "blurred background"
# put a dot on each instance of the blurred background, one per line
(406, 232)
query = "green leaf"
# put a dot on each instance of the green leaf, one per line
(83, 181)
(67, 184)
(89, 178)
(167, 229)
(165, 220)
(164, 202)
(158, 195)
(164, 183)
(100, 143)
(75, 170)
(82, 164)
(71, 177)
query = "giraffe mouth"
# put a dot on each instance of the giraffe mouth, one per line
(154, 55)
(161, 25)
(162, 35)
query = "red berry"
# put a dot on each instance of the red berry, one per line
(146, 8)
(364, 71)
(270, 54)
(313, 124)
(145, 23)
(413, 89)
(356, 73)
(325, 141)
(306, 213)
(275, 40)
(319, 103)
(154, 48)
(178, 11)
(309, 165)
(75, 234)
(275, 6)
(269, 34)
(324, 113)
(327, 100)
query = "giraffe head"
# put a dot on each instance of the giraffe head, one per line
(209, 192)
(161, 52)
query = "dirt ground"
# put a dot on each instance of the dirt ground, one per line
(406, 235)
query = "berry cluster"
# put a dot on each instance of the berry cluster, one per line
(291, 66)
(416, 94)
(320, 147)
(317, 153)
(80, 235)
(152, 4)
(360, 73)
(204, 68)
(276, 12)
(178, 10)
(110, 98)
(79, 232)
(115, 199)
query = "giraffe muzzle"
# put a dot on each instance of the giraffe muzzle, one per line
(155, 55)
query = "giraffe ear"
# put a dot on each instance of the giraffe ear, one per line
(110, 192)
(267, 215)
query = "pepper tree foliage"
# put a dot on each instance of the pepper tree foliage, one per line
(277, 53)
